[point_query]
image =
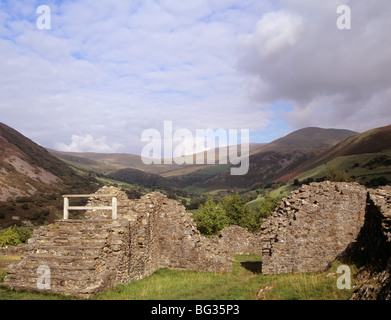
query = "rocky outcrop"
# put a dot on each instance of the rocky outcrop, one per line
(312, 226)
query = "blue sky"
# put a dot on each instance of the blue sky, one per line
(107, 70)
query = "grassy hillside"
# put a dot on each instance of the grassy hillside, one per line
(371, 169)
(280, 157)
(364, 156)
(32, 181)
(308, 138)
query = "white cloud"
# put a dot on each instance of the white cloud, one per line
(276, 32)
(88, 144)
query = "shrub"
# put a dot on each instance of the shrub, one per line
(239, 214)
(336, 175)
(24, 234)
(9, 237)
(14, 235)
(211, 218)
(267, 205)
(296, 182)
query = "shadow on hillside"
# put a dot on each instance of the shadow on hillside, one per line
(253, 266)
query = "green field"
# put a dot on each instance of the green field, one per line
(244, 283)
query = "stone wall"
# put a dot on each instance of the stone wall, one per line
(163, 235)
(372, 250)
(13, 251)
(312, 226)
(238, 240)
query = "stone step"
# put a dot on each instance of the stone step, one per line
(85, 293)
(54, 269)
(66, 285)
(73, 250)
(33, 277)
(59, 260)
(71, 241)
(68, 250)
(34, 288)
(69, 232)
(89, 223)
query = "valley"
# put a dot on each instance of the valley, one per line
(32, 178)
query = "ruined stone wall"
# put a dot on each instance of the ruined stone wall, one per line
(312, 226)
(88, 256)
(163, 235)
(238, 240)
(373, 248)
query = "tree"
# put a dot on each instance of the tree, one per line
(239, 214)
(267, 205)
(211, 218)
(233, 206)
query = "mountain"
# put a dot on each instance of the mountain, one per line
(267, 162)
(109, 163)
(31, 176)
(365, 156)
(281, 157)
(308, 138)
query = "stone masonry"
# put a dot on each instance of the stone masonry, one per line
(312, 226)
(372, 250)
(324, 222)
(88, 256)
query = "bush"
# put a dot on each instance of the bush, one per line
(336, 175)
(267, 205)
(24, 234)
(14, 235)
(239, 214)
(9, 237)
(211, 218)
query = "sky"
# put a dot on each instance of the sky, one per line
(108, 70)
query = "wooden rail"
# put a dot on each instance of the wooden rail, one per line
(68, 208)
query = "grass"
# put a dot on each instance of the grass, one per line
(166, 284)
(242, 284)
(347, 164)
(308, 286)
(280, 192)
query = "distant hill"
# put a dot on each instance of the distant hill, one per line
(28, 172)
(308, 138)
(365, 156)
(109, 163)
(281, 157)
(267, 162)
